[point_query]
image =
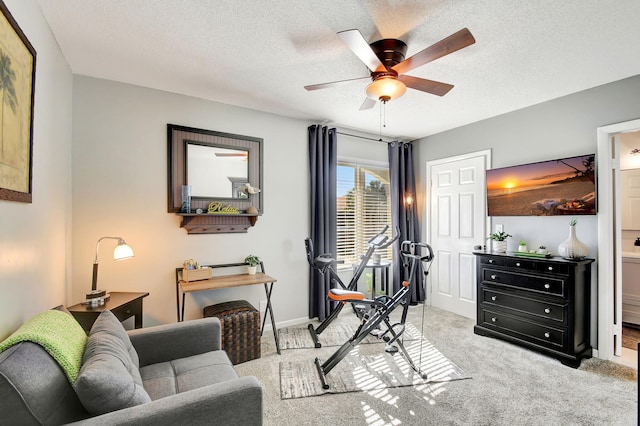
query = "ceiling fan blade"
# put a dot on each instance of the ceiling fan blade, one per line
(333, 83)
(358, 45)
(456, 41)
(367, 104)
(424, 85)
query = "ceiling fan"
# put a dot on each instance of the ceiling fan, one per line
(385, 59)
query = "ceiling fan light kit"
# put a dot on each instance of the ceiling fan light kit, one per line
(386, 89)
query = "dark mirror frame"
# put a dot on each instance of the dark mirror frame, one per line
(178, 136)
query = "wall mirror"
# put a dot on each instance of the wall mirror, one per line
(216, 165)
(214, 171)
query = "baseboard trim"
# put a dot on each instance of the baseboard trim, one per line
(289, 323)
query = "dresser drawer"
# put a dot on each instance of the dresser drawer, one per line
(496, 261)
(521, 264)
(533, 266)
(552, 268)
(538, 283)
(519, 304)
(549, 337)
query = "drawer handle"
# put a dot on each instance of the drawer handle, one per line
(551, 268)
(518, 264)
(490, 260)
(493, 277)
(547, 310)
(494, 319)
(547, 286)
(494, 298)
(547, 334)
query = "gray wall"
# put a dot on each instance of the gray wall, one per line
(120, 188)
(35, 238)
(559, 128)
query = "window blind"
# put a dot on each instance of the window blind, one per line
(363, 208)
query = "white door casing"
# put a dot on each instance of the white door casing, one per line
(609, 264)
(456, 222)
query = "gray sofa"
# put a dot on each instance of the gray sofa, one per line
(188, 378)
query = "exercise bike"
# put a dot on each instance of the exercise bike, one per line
(378, 312)
(325, 263)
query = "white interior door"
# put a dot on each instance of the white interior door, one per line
(457, 219)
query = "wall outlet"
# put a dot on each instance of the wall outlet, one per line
(499, 227)
(263, 307)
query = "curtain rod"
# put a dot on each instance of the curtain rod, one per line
(363, 137)
(372, 139)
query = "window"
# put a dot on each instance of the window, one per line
(363, 208)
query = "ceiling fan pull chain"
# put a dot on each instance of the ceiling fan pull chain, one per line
(384, 114)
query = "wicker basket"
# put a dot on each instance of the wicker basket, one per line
(240, 329)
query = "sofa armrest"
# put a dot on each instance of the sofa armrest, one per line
(234, 402)
(167, 342)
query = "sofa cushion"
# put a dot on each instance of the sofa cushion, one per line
(182, 375)
(109, 378)
(108, 323)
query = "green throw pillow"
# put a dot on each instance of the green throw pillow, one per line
(109, 378)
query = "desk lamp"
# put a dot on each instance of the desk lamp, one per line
(121, 252)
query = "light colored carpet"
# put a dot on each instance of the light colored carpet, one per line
(511, 385)
(358, 372)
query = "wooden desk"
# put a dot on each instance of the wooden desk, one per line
(228, 281)
(122, 304)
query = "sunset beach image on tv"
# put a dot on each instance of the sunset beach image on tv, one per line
(558, 187)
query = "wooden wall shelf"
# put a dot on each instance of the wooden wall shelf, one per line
(217, 223)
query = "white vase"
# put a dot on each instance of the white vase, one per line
(522, 247)
(572, 248)
(251, 270)
(499, 246)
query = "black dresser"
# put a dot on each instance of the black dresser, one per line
(543, 304)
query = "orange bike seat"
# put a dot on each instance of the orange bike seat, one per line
(340, 295)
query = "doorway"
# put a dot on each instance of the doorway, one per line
(456, 222)
(611, 244)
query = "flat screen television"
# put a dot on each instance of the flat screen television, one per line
(566, 186)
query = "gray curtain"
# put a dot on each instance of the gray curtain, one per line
(323, 172)
(403, 184)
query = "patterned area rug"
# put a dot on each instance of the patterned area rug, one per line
(334, 335)
(357, 372)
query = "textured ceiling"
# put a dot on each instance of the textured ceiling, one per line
(260, 54)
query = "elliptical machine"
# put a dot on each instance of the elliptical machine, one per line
(379, 310)
(325, 262)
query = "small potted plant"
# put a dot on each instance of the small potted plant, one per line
(522, 246)
(499, 241)
(252, 262)
(542, 250)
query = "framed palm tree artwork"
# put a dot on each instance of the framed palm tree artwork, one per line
(17, 83)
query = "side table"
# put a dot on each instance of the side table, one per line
(122, 304)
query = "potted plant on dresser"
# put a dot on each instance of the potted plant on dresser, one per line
(499, 241)
(252, 262)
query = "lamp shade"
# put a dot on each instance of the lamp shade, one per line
(122, 251)
(386, 89)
